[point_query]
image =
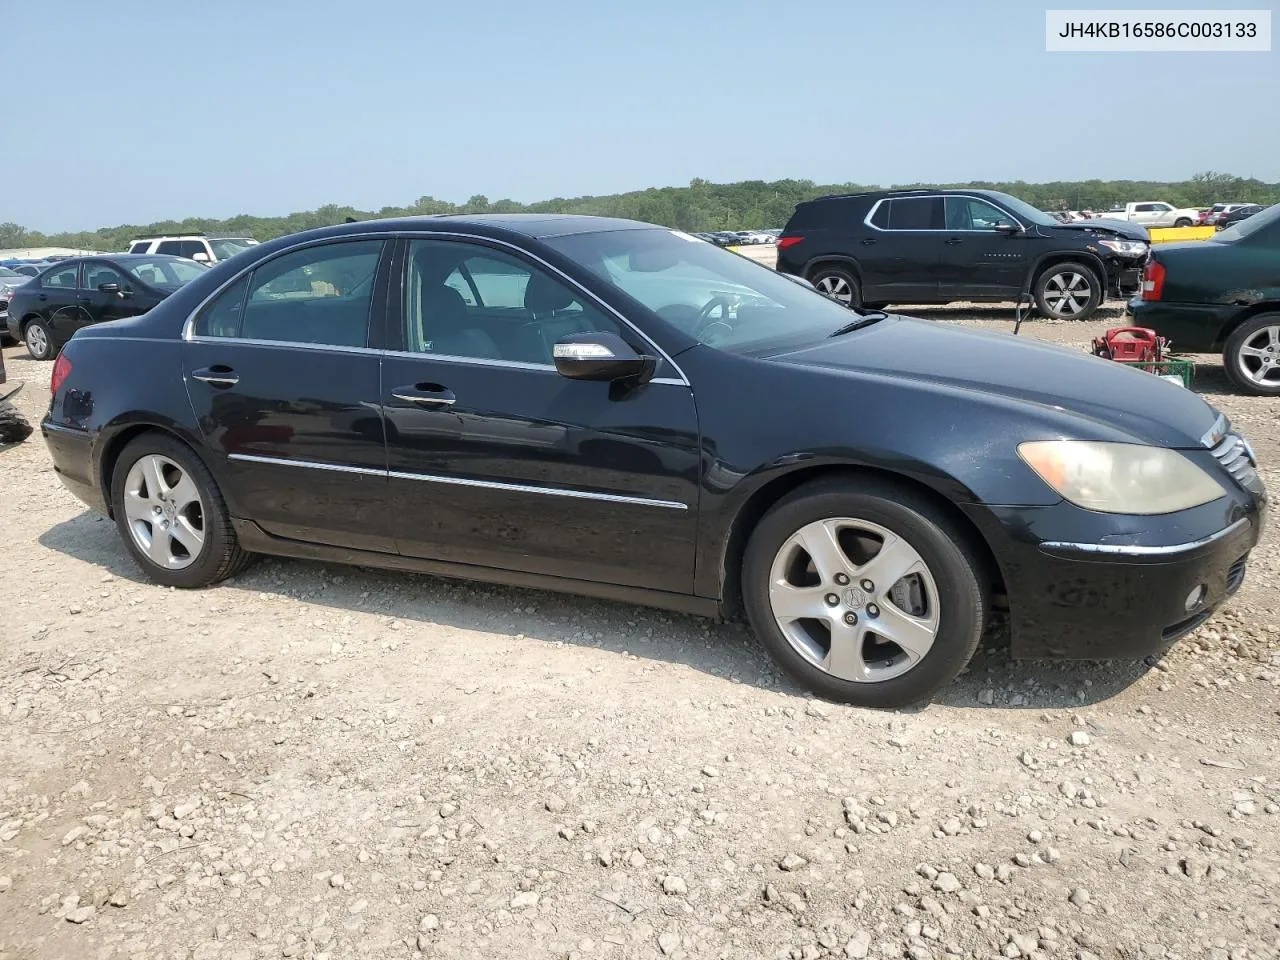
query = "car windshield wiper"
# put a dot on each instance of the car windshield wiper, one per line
(866, 320)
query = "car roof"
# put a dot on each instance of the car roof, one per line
(913, 192)
(494, 225)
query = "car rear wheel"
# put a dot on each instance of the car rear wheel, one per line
(172, 516)
(839, 284)
(1182, 222)
(39, 340)
(1252, 355)
(1067, 291)
(864, 592)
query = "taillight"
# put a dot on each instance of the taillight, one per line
(61, 370)
(1153, 280)
(784, 242)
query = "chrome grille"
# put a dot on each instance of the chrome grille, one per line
(1234, 456)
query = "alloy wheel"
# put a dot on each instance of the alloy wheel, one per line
(1068, 293)
(164, 511)
(37, 341)
(1260, 356)
(854, 599)
(836, 287)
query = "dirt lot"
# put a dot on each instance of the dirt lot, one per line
(322, 762)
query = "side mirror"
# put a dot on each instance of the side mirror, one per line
(1007, 228)
(600, 356)
(108, 288)
(200, 257)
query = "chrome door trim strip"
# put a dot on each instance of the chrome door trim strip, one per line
(306, 464)
(462, 481)
(188, 326)
(934, 196)
(550, 491)
(1133, 550)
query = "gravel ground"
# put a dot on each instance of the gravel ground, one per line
(327, 762)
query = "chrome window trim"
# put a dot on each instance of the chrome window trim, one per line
(460, 481)
(1133, 550)
(188, 325)
(936, 196)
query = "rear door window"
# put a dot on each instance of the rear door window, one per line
(915, 213)
(61, 278)
(181, 248)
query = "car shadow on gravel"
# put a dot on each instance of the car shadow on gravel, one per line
(724, 650)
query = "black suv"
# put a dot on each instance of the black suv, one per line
(939, 246)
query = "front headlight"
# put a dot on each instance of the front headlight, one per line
(1126, 248)
(1120, 477)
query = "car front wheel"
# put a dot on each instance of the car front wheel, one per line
(1252, 355)
(172, 516)
(1068, 291)
(864, 592)
(39, 340)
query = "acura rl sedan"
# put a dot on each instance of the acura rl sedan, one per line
(621, 410)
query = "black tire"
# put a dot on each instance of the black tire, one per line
(50, 348)
(14, 427)
(960, 575)
(1182, 222)
(1243, 370)
(837, 279)
(1057, 279)
(220, 556)
(878, 305)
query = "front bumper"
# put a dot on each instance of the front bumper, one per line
(1083, 585)
(1190, 327)
(1124, 278)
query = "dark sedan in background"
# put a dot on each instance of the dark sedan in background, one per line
(48, 309)
(610, 408)
(1221, 294)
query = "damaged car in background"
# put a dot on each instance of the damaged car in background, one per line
(1221, 295)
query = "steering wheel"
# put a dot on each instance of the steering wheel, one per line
(704, 315)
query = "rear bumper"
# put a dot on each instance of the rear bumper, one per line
(1124, 595)
(71, 450)
(1191, 327)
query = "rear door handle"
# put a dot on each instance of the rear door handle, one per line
(44, 296)
(426, 394)
(952, 241)
(85, 299)
(218, 375)
(868, 241)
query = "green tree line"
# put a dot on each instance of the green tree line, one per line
(701, 206)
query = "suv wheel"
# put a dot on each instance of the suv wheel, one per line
(838, 283)
(1182, 222)
(864, 592)
(1252, 355)
(1067, 291)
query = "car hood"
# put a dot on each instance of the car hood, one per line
(1023, 369)
(1102, 226)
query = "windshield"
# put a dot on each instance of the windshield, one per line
(5, 272)
(722, 299)
(165, 272)
(1244, 228)
(1024, 210)
(228, 248)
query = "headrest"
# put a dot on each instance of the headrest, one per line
(544, 295)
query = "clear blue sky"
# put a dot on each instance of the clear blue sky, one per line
(133, 112)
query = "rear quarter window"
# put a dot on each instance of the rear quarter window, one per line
(820, 214)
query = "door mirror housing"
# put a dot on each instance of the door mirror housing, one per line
(200, 257)
(600, 356)
(1007, 228)
(108, 288)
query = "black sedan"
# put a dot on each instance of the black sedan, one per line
(47, 310)
(615, 409)
(1239, 213)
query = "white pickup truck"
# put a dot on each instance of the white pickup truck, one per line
(1157, 213)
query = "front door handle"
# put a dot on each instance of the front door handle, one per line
(218, 375)
(44, 296)
(85, 299)
(868, 241)
(952, 241)
(426, 394)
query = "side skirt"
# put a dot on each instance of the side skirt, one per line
(256, 540)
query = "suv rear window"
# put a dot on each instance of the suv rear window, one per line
(140, 247)
(181, 248)
(915, 213)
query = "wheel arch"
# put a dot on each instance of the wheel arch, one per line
(834, 259)
(1243, 317)
(1047, 260)
(761, 500)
